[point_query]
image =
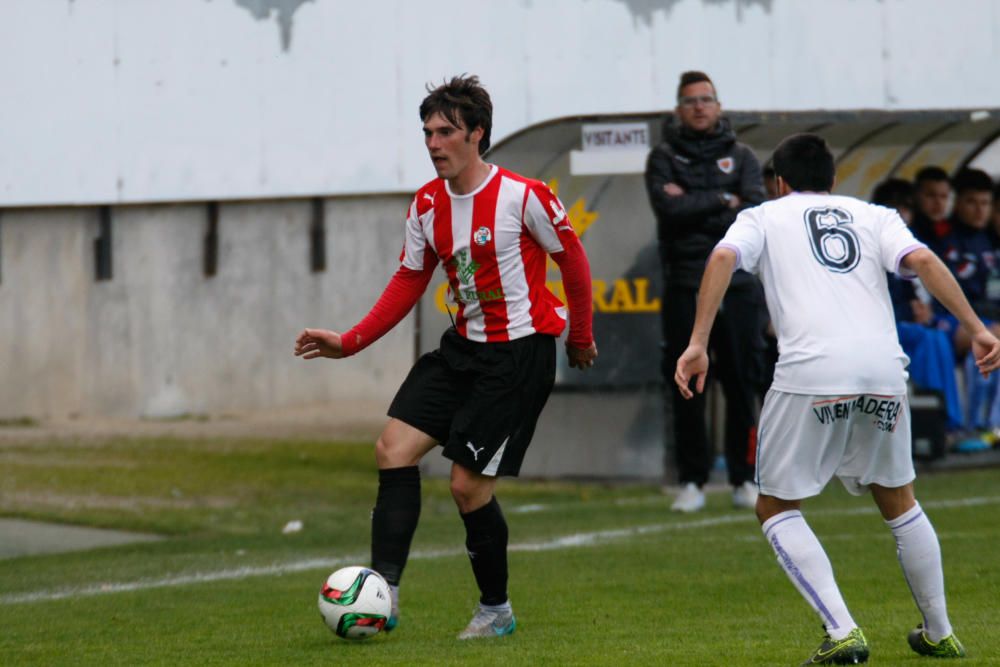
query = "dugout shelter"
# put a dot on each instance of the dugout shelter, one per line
(610, 421)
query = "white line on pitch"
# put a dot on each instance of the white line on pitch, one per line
(563, 542)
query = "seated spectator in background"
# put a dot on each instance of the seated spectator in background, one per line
(967, 249)
(969, 253)
(932, 359)
(930, 216)
(770, 181)
(994, 230)
(898, 194)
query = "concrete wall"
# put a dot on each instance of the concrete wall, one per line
(161, 339)
(146, 100)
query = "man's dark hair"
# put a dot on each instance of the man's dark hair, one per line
(996, 194)
(972, 179)
(464, 103)
(894, 193)
(694, 76)
(805, 162)
(930, 173)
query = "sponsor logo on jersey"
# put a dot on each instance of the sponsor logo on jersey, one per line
(726, 164)
(884, 410)
(427, 195)
(465, 269)
(469, 295)
(465, 266)
(482, 236)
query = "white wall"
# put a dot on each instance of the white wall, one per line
(157, 100)
(160, 339)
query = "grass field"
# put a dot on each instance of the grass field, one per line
(600, 575)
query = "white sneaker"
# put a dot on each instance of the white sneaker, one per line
(490, 622)
(690, 499)
(745, 496)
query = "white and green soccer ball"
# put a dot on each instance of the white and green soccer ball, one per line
(355, 602)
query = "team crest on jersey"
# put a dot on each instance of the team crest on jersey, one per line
(726, 164)
(482, 236)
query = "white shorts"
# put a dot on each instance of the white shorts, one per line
(803, 441)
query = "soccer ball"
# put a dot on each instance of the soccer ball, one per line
(355, 602)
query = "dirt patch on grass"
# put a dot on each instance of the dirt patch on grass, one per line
(344, 420)
(12, 501)
(15, 458)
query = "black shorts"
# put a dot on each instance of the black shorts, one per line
(480, 400)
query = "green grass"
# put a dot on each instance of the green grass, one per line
(651, 588)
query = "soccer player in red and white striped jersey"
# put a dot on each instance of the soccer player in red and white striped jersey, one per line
(479, 395)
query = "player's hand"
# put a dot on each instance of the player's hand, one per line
(581, 357)
(692, 364)
(734, 201)
(673, 190)
(313, 343)
(986, 349)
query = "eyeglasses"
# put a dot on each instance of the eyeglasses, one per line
(694, 100)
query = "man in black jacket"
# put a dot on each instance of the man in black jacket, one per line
(698, 179)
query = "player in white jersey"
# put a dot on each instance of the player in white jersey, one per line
(838, 402)
(480, 394)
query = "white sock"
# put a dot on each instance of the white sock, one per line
(496, 607)
(394, 594)
(805, 562)
(919, 555)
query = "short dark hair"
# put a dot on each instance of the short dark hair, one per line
(996, 193)
(463, 102)
(930, 173)
(972, 179)
(694, 76)
(805, 162)
(894, 193)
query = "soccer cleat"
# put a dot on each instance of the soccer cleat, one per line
(489, 623)
(690, 499)
(851, 650)
(745, 496)
(949, 647)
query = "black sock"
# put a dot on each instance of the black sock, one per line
(486, 542)
(394, 520)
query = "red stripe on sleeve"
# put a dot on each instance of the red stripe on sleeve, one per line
(402, 293)
(575, 269)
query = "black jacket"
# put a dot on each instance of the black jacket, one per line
(705, 166)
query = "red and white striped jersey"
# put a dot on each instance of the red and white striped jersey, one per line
(492, 243)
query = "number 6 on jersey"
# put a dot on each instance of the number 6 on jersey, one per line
(834, 246)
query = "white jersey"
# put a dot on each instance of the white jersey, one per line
(823, 261)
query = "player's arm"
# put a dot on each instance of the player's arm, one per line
(545, 218)
(673, 204)
(693, 363)
(402, 293)
(575, 269)
(940, 282)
